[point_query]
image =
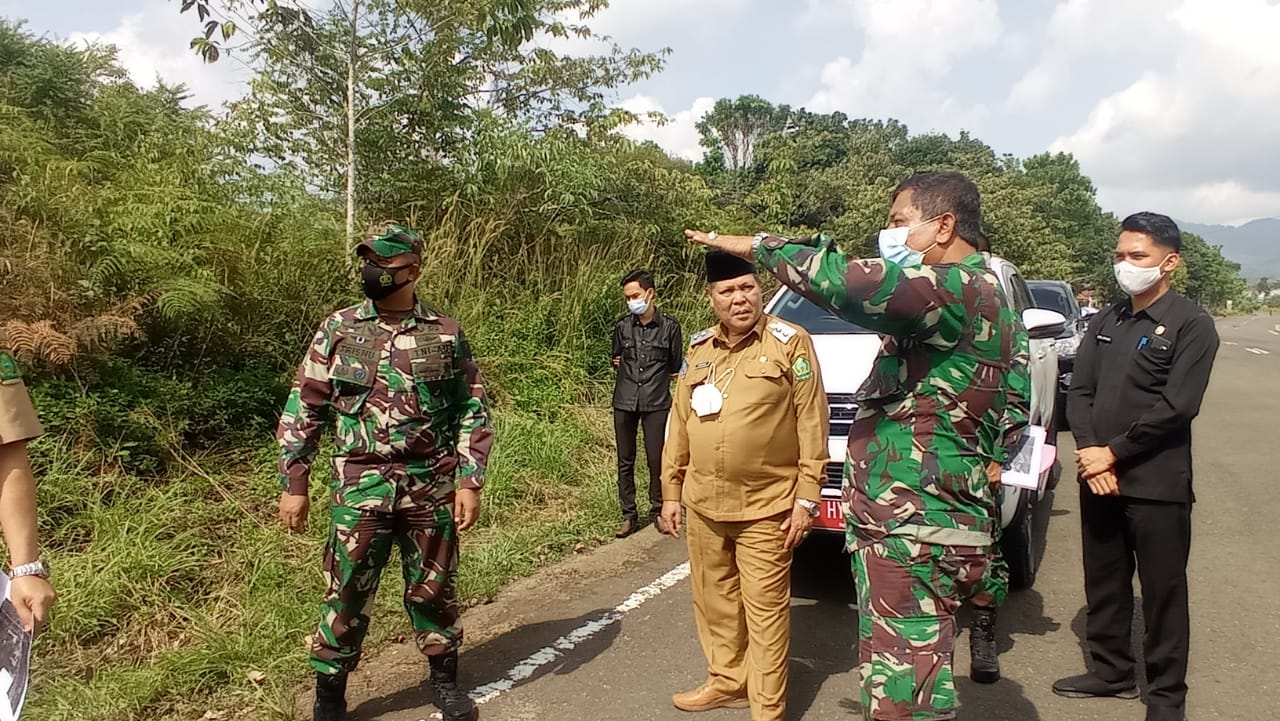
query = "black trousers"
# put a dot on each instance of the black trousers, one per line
(1121, 534)
(625, 425)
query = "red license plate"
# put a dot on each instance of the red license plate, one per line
(830, 516)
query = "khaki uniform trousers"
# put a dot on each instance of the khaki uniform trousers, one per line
(740, 573)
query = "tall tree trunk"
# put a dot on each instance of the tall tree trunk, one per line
(351, 133)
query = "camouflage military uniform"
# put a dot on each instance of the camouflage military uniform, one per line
(995, 586)
(412, 416)
(919, 509)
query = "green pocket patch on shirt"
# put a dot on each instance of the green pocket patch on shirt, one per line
(802, 369)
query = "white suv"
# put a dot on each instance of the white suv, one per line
(846, 353)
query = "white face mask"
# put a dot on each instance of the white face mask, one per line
(894, 248)
(707, 400)
(638, 305)
(1135, 279)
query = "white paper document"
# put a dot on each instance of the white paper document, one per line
(1023, 470)
(15, 656)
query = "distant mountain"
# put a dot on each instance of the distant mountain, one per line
(1254, 245)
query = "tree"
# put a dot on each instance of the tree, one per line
(1206, 276)
(1264, 284)
(735, 127)
(373, 100)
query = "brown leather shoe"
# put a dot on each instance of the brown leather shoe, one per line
(705, 698)
(628, 527)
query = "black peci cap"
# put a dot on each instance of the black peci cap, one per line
(724, 266)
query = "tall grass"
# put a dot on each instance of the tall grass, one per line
(176, 595)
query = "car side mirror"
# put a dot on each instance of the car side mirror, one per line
(1042, 324)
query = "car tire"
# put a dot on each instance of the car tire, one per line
(1018, 546)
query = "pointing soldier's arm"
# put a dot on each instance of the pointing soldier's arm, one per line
(301, 426)
(881, 296)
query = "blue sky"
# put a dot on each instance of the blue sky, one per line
(1170, 105)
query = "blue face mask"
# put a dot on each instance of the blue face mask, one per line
(894, 248)
(638, 306)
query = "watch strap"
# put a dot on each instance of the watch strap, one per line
(35, 568)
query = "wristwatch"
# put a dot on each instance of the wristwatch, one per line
(809, 506)
(755, 242)
(36, 568)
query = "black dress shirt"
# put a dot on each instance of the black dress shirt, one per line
(650, 354)
(1138, 382)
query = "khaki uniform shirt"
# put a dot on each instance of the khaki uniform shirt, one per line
(18, 421)
(768, 444)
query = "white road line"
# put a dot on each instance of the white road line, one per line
(1229, 342)
(1258, 351)
(526, 668)
(1274, 332)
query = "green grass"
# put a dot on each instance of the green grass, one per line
(175, 596)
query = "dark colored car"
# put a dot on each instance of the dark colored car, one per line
(1057, 295)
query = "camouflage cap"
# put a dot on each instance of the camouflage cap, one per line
(389, 240)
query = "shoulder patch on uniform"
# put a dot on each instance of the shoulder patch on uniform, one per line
(801, 368)
(701, 336)
(9, 371)
(782, 331)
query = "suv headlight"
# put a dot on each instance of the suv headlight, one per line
(1067, 346)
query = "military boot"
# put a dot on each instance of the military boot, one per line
(454, 704)
(331, 697)
(984, 663)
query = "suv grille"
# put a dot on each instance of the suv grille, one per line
(842, 407)
(835, 475)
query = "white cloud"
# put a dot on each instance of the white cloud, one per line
(1126, 35)
(1202, 128)
(629, 16)
(1226, 203)
(632, 23)
(906, 59)
(679, 136)
(154, 43)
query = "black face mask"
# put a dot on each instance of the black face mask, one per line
(378, 282)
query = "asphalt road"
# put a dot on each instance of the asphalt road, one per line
(596, 638)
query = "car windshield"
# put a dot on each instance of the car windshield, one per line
(796, 309)
(1051, 297)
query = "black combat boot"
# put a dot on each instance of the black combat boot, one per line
(331, 697)
(984, 663)
(453, 703)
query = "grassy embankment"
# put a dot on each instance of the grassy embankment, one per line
(180, 592)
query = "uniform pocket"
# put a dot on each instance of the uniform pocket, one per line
(349, 398)
(765, 383)
(436, 395)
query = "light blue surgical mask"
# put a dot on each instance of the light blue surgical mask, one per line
(638, 306)
(894, 248)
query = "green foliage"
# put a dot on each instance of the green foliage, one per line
(161, 281)
(797, 171)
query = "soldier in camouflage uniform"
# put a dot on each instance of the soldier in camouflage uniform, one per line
(412, 439)
(919, 506)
